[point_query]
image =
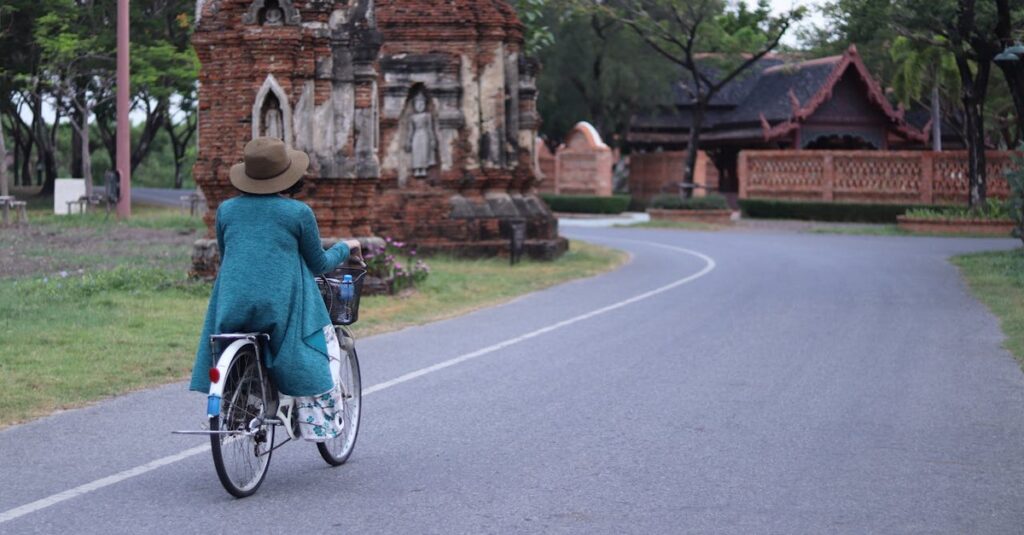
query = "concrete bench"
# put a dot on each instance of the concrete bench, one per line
(20, 207)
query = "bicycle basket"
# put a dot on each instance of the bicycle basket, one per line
(329, 289)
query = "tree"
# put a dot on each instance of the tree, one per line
(80, 70)
(973, 34)
(23, 89)
(714, 46)
(917, 69)
(163, 64)
(536, 35)
(601, 72)
(181, 134)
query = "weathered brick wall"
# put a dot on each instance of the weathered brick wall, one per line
(651, 173)
(899, 177)
(584, 163)
(344, 73)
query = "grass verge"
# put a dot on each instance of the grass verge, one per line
(72, 340)
(889, 230)
(682, 225)
(997, 279)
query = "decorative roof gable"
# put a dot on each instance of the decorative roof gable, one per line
(849, 60)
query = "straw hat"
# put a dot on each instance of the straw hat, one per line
(269, 167)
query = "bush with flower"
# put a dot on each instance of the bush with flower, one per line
(396, 262)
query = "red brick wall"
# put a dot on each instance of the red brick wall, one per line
(651, 173)
(899, 177)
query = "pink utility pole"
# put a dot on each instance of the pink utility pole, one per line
(124, 132)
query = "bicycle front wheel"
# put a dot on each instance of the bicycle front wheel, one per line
(242, 456)
(337, 450)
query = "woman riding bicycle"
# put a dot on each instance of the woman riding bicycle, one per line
(270, 251)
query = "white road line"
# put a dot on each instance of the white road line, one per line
(54, 499)
(99, 484)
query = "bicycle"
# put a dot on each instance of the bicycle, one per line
(245, 408)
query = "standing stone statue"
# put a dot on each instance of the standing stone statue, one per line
(421, 144)
(272, 120)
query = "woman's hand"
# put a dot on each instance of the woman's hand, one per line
(355, 252)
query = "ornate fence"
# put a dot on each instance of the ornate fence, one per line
(898, 177)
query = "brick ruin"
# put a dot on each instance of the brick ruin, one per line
(419, 116)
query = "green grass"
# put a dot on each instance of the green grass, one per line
(889, 230)
(72, 340)
(143, 216)
(873, 230)
(682, 225)
(997, 279)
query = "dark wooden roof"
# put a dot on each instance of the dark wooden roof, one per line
(769, 103)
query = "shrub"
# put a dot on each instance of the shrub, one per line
(587, 204)
(992, 209)
(387, 263)
(825, 211)
(669, 201)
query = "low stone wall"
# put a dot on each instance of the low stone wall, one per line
(716, 217)
(206, 255)
(955, 226)
(897, 177)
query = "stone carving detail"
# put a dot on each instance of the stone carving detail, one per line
(426, 74)
(271, 113)
(421, 142)
(272, 13)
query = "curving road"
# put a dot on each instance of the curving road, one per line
(730, 382)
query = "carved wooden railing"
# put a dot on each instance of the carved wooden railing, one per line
(902, 177)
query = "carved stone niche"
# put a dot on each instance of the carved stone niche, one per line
(405, 74)
(272, 13)
(271, 112)
(529, 119)
(419, 133)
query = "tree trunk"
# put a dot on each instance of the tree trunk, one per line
(86, 155)
(1014, 74)
(975, 153)
(76, 143)
(692, 146)
(936, 120)
(3, 165)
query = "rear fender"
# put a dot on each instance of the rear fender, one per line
(227, 357)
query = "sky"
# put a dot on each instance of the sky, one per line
(814, 18)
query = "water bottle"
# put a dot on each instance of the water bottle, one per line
(347, 293)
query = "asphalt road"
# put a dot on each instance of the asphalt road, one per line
(755, 382)
(160, 196)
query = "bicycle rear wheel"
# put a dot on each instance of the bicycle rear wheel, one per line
(337, 450)
(242, 457)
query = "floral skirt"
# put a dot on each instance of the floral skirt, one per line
(320, 417)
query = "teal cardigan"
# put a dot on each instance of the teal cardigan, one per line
(270, 250)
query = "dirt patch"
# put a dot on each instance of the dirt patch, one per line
(44, 250)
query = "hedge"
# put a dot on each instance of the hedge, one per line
(671, 201)
(587, 204)
(825, 211)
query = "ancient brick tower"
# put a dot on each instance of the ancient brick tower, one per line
(419, 115)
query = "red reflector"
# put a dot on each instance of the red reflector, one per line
(214, 375)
